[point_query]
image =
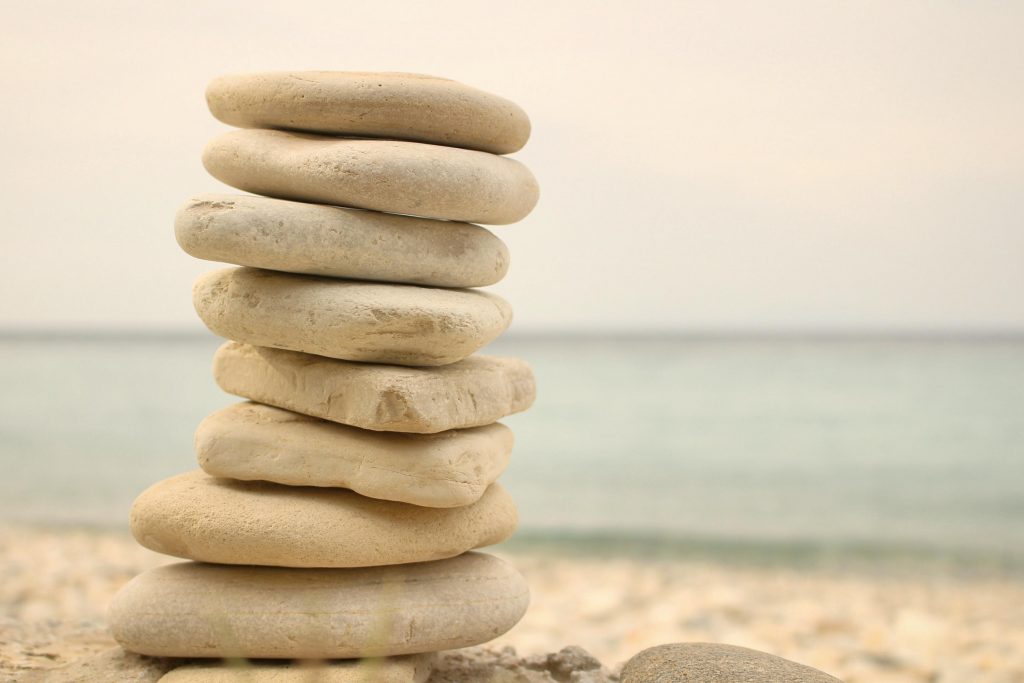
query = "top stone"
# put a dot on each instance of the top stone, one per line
(385, 105)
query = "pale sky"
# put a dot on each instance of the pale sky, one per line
(704, 166)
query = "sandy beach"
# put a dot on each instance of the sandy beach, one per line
(862, 627)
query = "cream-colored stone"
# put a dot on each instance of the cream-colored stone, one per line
(199, 517)
(384, 175)
(385, 105)
(473, 392)
(205, 610)
(359, 321)
(407, 669)
(333, 241)
(251, 442)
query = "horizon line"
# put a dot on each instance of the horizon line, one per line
(71, 333)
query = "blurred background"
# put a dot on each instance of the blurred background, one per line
(773, 292)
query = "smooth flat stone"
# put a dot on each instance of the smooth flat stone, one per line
(408, 669)
(473, 392)
(383, 175)
(715, 663)
(199, 517)
(249, 441)
(387, 105)
(360, 321)
(192, 609)
(332, 241)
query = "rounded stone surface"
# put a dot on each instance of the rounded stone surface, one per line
(250, 441)
(715, 663)
(390, 398)
(199, 517)
(388, 105)
(205, 610)
(358, 321)
(332, 241)
(407, 669)
(383, 175)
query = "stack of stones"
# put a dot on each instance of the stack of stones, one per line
(336, 509)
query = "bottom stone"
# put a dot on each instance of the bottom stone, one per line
(410, 669)
(205, 610)
(472, 665)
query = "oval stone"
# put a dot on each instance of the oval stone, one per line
(386, 105)
(383, 175)
(249, 441)
(715, 663)
(206, 610)
(359, 321)
(407, 669)
(336, 242)
(199, 517)
(473, 392)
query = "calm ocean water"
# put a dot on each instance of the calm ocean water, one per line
(711, 443)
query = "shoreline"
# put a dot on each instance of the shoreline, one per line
(870, 558)
(195, 332)
(856, 557)
(860, 626)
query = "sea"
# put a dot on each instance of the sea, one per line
(781, 450)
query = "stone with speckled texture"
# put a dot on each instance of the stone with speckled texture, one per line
(332, 241)
(250, 441)
(473, 392)
(199, 517)
(358, 321)
(192, 609)
(716, 663)
(383, 175)
(404, 106)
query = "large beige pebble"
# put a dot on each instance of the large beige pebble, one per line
(407, 669)
(389, 105)
(249, 441)
(337, 242)
(206, 610)
(383, 175)
(360, 321)
(473, 392)
(204, 518)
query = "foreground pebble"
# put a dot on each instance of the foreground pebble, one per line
(332, 241)
(199, 517)
(716, 663)
(358, 321)
(203, 610)
(408, 669)
(389, 105)
(383, 175)
(250, 441)
(473, 392)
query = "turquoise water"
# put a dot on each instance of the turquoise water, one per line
(777, 443)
